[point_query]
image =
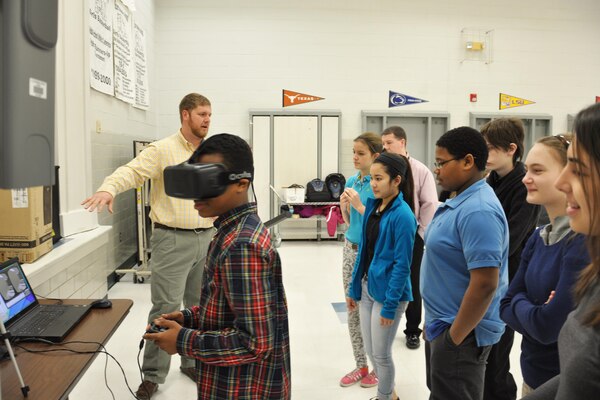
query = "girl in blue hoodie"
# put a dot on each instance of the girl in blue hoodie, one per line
(381, 277)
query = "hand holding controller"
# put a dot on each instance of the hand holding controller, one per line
(155, 328)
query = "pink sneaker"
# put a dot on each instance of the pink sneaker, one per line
(354, 377)
(369, 380)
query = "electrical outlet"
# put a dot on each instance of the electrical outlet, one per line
(98, 126)
(120, 237)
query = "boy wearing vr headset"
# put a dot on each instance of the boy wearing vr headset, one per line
(180, 237)
(239, 333)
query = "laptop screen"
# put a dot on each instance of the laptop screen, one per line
(16, 295)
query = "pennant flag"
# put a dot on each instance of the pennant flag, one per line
(597, 99)
(398, 99)
(508, 101)
(290, 98)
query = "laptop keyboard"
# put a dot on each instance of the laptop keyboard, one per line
(40, 321)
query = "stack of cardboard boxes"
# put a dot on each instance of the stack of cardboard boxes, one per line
(25, 223)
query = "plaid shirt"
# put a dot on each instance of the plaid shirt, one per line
(239, 333)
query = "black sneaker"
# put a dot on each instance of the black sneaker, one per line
(413, 341)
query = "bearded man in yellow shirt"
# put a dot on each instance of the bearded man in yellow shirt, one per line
(180, 237)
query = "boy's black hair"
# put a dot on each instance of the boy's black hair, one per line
(465, 140)
(237, 154)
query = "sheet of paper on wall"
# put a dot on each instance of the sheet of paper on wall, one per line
(101, 46)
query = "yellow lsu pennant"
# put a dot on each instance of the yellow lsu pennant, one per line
(508, 101)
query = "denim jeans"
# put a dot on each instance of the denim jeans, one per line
(378, 340)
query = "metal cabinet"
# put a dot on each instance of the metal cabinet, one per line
(423, 129)
(292, 148)
(536, 125)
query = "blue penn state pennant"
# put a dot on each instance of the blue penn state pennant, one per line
(398, 99)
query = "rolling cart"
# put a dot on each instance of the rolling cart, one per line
(144, 226)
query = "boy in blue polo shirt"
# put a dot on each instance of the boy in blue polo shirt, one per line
(464, 270)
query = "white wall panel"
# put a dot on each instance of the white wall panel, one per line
(330, 145)
(261, 150)
(295, 150)
(295, 161)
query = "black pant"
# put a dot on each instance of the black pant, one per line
(413, 312)
(499, 382)
(455, 372)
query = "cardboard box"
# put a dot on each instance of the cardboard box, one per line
(293, 194)
(25, 223)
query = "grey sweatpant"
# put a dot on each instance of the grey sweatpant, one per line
(177, 265)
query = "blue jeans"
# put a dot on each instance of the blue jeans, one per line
(378, 340)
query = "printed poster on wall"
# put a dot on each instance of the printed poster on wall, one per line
(597, 99)
(142, 99)
(101, 49)
(124, 63)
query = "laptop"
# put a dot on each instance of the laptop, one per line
(24, 317)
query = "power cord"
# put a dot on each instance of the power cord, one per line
(103, 351)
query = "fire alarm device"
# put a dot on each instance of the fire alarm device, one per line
(473, 97)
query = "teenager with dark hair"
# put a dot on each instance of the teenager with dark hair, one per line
(366, 148)
(504, 138)
(381, 276)
(239, 333)
(540, 296)
(394, 140)
(464, 271)
(579, 338)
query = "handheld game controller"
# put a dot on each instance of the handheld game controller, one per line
(155, 328)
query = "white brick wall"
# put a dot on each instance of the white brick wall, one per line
(242, 54)
(86, 157)
(76, 269)
(120, 124)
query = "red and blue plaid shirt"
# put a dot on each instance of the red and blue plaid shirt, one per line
(239, 333)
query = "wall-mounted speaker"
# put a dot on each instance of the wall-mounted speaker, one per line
(28, 34)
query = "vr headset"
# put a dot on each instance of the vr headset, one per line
(200, 181)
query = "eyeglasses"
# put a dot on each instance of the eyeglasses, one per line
(566, 142)
(440, 164)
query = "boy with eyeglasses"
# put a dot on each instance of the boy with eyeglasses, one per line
(464, 270)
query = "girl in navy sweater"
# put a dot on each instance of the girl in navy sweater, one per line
(540, 296)
(381, 276)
